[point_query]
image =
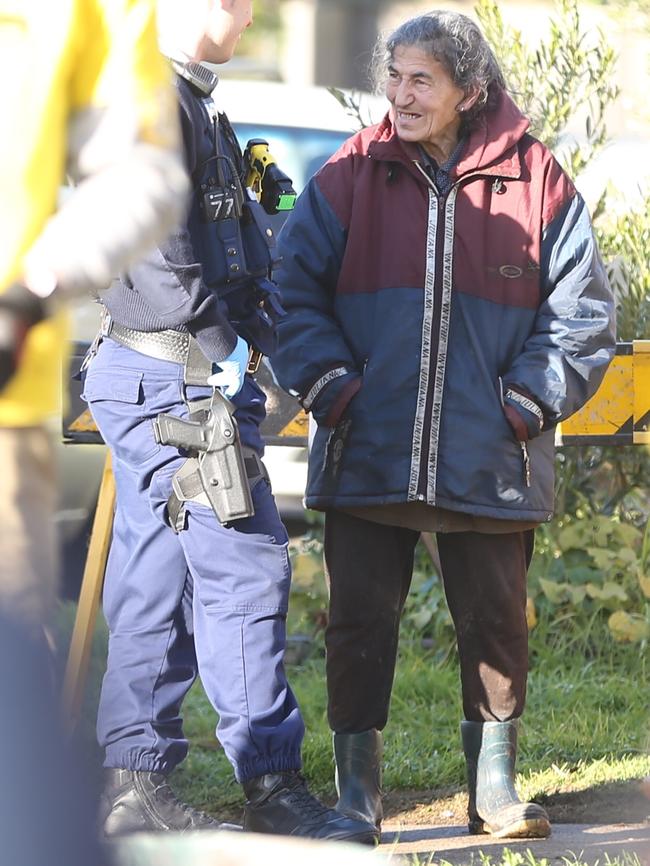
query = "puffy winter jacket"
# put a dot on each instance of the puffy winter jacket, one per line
(410, 316)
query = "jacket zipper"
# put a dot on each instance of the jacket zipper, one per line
(423, 482)
(423, 493)
(526, 458)
(426, 478)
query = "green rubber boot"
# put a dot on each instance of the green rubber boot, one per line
(358, 776)
(494, 807)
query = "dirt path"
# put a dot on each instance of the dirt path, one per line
(589, 843)
(606, 804)
(605, 822)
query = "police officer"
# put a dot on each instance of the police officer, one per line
(184, 591)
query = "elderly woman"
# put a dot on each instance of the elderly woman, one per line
(447, 307)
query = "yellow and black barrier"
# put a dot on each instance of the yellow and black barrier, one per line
(619, 412)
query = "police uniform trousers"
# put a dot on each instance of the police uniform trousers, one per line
(212, 598)
(369, 568)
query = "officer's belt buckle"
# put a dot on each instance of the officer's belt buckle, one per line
(254, 361)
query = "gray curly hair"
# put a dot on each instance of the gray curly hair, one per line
(456, 42)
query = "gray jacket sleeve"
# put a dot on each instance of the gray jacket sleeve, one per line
(574, 335)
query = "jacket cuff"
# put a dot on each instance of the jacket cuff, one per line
(329, 395)
(523, 413)
(344, 397)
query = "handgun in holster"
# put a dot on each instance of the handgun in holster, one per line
(273, 188)
(215, 472)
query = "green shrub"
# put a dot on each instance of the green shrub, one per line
(624, 241)
(570, 68)
(590, 568)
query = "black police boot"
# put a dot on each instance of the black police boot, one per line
(494, 807)
(281, 803)
(134, 802)
(358, 776)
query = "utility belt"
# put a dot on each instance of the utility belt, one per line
(177, 346)
(219, 472)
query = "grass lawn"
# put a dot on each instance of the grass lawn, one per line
(514, 858)
(586, 724)
(586, 733)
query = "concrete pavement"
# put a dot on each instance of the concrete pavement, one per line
(588, 843)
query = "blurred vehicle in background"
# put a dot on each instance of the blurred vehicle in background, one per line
(303, 126)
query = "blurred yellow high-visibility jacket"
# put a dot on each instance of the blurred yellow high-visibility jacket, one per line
(83, 83)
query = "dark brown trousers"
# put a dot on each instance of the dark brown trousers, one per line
(369, 567)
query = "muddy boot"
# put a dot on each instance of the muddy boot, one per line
(135, 802)
(494, 807)
(281, 803)
(358, 776)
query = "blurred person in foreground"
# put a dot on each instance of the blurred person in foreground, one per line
(86, 95)
(446, 308)
(48, 814)
(190, 588)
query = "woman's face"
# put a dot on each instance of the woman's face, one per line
(424, 101)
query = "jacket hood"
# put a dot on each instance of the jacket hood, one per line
(491, 145)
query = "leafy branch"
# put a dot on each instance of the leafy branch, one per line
(569, 71)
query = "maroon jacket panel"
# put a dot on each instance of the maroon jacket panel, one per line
(374, 186)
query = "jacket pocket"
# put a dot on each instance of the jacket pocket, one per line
(116, 400)
(522, 445)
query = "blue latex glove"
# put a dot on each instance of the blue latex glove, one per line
(229, 374)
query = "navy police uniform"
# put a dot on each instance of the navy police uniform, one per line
(211, 598)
